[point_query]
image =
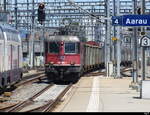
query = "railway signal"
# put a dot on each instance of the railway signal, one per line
(143, 33)
(139, 11)
(41, 13)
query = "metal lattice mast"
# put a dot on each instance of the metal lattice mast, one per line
(143, 68)
(118, 55)
(135, 47)
(107, 40)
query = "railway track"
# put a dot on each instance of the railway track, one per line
(24, 80)
(126, 70)
(20, 105)
(95, 73)
(52, 103)
(26, 77)
(45, 107)
(32, 79)
(98, 73)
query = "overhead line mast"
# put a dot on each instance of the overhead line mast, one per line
(87, 12)
(108, 27)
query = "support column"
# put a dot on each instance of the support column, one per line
(143, 48)
(118, 55)
(5, 5)
(135, 48)
(16, 10)
(108, 36)
(32, 38)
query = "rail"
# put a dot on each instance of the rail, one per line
(29, 101)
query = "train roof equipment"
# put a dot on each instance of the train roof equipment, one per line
(64, 38)
(8, 28)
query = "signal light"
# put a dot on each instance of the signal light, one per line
(139, 11)
(72, 63)
(143, 33)
(62, 43)
(130, 29)
(41, 6)
(41, 13)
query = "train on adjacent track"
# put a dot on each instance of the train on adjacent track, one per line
(67, 58)
(10, 56)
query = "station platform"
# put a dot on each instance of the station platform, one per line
(103, 94)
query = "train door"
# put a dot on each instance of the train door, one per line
(9, 63)
(1, 63)
(14, 61)
(1, 58)
(18, 55)
(8, 57)
(20, 62)
(19, 52)
(19, 76)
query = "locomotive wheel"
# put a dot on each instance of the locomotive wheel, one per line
(50, 76)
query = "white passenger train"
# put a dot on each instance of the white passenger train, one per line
(10, 56)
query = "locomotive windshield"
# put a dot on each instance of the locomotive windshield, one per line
(70, 48)
(53, 47)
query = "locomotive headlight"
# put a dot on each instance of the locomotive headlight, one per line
(46, 65)
(62, 43)
(72, 63)
(51, 63)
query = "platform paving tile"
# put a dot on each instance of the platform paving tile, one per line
(118, 97)
(115, 95)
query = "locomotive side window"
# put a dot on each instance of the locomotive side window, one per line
(53, 47)
(78, 47)
(70, 48)
(46, 47)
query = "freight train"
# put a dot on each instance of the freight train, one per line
(67, 58)
(10, 56)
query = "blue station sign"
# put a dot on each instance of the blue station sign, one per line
(131, 20)
(116, 20)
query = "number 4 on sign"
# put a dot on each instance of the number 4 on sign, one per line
(145, 41)
(116, 21)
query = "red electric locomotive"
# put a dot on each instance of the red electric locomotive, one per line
(66, 58)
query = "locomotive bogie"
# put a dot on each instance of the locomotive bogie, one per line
(62, 72)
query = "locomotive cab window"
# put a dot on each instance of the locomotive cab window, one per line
(71, 48)
(53, 47)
